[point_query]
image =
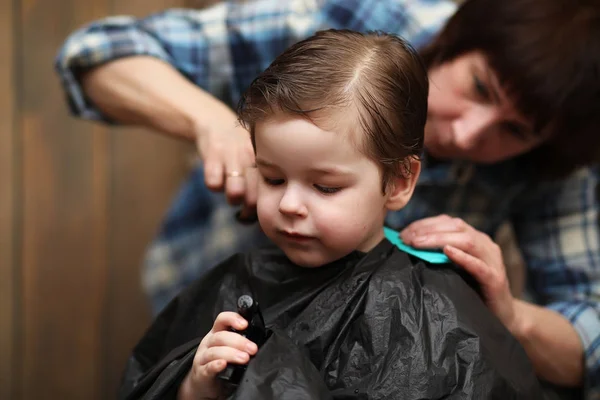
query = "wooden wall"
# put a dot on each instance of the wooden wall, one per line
(79, 203)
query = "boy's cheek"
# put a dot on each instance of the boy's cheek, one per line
(266, 208)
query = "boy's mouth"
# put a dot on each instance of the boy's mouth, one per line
(295, 236)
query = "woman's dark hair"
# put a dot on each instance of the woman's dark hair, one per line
(546, 55)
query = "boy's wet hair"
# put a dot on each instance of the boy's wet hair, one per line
(373, 86)
(546, 55)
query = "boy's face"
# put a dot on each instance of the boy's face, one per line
(319, 198)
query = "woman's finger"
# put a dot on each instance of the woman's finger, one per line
(438, 223)
(417, 239)
(235, 182)
(469, 242)
(213, 173)
(493, 282)
(473, 265)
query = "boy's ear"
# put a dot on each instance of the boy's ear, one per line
(401, 189)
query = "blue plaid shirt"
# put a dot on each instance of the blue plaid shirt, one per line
(223, 48)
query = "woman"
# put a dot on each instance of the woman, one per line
(511, 135)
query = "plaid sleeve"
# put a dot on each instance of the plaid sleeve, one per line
(559, 234)
(198, 43)
(417, 21)
(98, 43)
(223, 48)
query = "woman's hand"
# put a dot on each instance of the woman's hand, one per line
(145, 91)
(228, 159)
(474, 251)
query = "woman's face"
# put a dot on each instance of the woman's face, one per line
(470, 117)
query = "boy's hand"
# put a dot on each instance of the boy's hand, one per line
(219, 347)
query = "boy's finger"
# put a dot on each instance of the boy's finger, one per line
(208, 372)
(214, 367)
(229, 354)
(232, 339)
(228, 319)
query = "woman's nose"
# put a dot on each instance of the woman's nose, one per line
(469, 128)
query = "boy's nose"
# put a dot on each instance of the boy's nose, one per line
(291, 203)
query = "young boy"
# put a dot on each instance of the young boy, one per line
(337, 125)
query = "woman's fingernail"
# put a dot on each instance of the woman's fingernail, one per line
(419, 239)
(241, 357)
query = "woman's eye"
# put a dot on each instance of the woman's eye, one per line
(327, 189)
(274, 182)
(480, 88)
(515, 130)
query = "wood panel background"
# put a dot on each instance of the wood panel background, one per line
(79, 203)
(9, 209)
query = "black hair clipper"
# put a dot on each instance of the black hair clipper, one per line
(256, 332)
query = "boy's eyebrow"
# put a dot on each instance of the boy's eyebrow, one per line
(319, 171)
(330, 171)
(264, 163)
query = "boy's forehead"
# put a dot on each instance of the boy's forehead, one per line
(317, 142)
(315, 167)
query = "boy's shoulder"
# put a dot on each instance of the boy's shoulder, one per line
(432, 271)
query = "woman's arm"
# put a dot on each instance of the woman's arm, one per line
(158, 97)
(558, 233)
(146, 91)
(551, 342)
(167, 72)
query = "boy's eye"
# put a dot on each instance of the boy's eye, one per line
(274, 182)
(327, 189)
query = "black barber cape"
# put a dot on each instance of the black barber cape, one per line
(382, 325)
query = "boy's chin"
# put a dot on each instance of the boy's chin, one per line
(309, 259)
(304, 261)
